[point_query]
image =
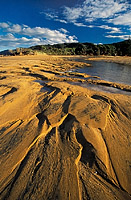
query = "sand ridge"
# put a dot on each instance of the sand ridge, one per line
(59, 140)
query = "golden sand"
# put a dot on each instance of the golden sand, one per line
(117, 59)
(59, 140)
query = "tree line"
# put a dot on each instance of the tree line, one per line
(120, 49)
(116, 49)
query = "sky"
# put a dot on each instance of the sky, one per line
(35, 22)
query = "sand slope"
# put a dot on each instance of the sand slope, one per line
(58, 140)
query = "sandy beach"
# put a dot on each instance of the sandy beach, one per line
(59, 140)
(117, 59)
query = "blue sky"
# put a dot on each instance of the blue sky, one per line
(30, 22)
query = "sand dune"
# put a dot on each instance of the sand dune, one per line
(60, 140)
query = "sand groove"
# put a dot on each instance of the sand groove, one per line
(58, 140)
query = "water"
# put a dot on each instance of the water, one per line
(107, 89)
(101, 88)
(112, 72)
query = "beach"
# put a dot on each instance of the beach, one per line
(58, 139)
(117, 59)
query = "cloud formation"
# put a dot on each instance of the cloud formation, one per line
(12, 41)
(124, 19)
(92, 13)
(23, 35)
(124, 37)
(91, 10)
(4, 25)
(110, 29)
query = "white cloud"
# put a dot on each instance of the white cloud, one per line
(111, 29)
(34, 36)
(15, 28)
(49, 15)
(8, 37)
(91, 26)
(110, 11)
(12, 41)
(53, 16)
(38, 32)
(61, 20)
(129, 29)
(124, 37)
(80, 24)
(96, 9)
(106, 27)
(4, 25)
(91, 10)
(71, 14)
(124, 19)
(63, 30)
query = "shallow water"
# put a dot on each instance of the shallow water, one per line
(107, 89)
(112, 72)
(102, 88)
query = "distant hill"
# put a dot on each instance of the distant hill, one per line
(121, 49)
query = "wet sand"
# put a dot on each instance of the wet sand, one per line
(59, 140)
(117, 59)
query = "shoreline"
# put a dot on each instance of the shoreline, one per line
(116, 59)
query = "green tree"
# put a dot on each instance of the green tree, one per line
(81, 49)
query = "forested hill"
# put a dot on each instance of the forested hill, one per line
(120, 49)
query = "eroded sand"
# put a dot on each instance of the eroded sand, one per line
(59, 140)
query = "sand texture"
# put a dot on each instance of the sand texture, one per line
(59, 140)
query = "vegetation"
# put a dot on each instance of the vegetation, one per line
(121, 49)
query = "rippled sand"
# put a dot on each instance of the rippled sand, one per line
(60, 140)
